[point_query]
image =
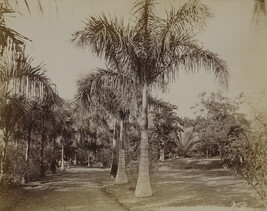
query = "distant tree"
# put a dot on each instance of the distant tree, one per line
(218, 115)
(188, 141)
(166, 125)
(93, 132)
(95, 93)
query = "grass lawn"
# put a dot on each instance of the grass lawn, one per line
(190, 183)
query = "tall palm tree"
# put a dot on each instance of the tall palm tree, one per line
(19, 79)
(94, 92)
(152, 51)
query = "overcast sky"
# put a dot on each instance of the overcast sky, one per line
(230, 33)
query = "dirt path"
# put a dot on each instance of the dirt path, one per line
(75, 189)
(180, 184)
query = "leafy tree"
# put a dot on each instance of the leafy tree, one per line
(94, 133)
(218, 117)
(250, 156)
(151, 51)
(166, 125)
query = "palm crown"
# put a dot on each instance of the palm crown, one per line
(154, 48)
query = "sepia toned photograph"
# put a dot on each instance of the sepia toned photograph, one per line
(133, 105)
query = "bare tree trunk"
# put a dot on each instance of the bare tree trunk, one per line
(162, 154)
(28, 145)
(143, 187)
(16, 144)
(75, 160)
(68, 163)
(121, 177)
(42, 173)
(2, 163)
(2, 166)
(62, 156)
(88, 158)
(6, 140)
(114, 159)
(53, 167)
(3, 157)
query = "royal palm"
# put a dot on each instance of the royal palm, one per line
(153, 50)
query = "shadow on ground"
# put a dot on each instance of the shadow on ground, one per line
(185, 183)
(190, 182)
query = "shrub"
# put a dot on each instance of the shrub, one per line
(247, 155)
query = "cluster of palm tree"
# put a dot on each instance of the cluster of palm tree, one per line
(27, 100)
(146, 53)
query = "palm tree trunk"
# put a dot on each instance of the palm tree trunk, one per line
(53, 167)
(68, 163)
(75, 160)
(121, 177)
(143, 187)
(3, 159)
(162, 154)
(62, 156)
(114, 160)
(28, 145)
(42, 156)
(88, 158)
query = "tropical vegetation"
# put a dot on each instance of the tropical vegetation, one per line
(114, 120)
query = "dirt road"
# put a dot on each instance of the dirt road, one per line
(75, 189)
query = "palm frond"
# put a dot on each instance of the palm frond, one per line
(159, 104)
(106, 87)
(21, 75)
(259, 12)
(144, 10)
(13, 109)
(40, 6)
(104, 37)
(9, 37)
(27, 5)
(191, 58)
(190, 17)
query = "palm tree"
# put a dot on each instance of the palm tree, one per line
(153, 51)
(259, 12)
(67, 130)
(94, 92)
(19, 79)
(9, 38)
(12, 109)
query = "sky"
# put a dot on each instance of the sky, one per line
(230, 33)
